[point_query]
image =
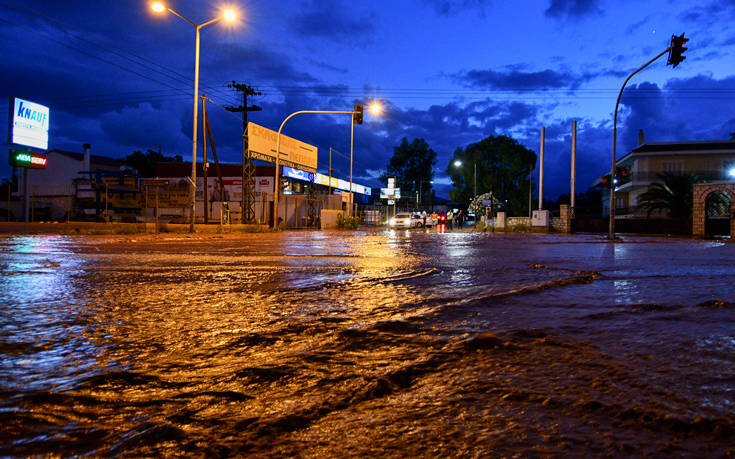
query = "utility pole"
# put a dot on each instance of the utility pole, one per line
(573, 187)
(541, 171)
(247, 206)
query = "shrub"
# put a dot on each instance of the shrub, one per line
(347, 222)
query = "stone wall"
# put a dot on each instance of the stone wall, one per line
(517, 221)
(701, 191)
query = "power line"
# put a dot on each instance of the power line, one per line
(113, 49)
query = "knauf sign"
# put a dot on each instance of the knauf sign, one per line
(30, 122)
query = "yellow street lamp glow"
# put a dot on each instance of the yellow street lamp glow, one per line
(375, 108)
(158, 7)
(229, 15)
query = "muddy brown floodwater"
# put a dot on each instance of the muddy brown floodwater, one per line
(374, 343)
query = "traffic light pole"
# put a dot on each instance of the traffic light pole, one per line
(277, 184)
(611, 234)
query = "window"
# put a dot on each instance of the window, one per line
(674, 167)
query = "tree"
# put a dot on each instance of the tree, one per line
(671, 196)
(413, 166)
(145, 164)
(503, 169)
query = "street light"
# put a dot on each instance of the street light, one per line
(421, 193)
(376, 108)
(458, 163)
(732, 172)
(277, 194)
(229, 15)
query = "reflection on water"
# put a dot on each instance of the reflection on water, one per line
(368, 343)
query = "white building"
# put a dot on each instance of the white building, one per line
(51, 188)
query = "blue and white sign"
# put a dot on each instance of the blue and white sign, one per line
(322, 179)
(298, 174)
(29, 124)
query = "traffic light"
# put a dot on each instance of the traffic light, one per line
(357, 114)
(676, 53)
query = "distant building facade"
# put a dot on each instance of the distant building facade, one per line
(53, 187)
(711, 160)
(91, 187)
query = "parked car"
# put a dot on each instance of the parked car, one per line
(418, 220)
(402, 220)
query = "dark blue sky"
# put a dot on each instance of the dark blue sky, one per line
(452, 72)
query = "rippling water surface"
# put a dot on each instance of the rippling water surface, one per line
(366, 343)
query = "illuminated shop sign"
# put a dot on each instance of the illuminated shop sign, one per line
(390, 193)
(360, 189)
(19, 158)
(325, 180)
(29, 123)
(297, 174)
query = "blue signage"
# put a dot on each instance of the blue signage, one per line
(298, 174)
(29, 123)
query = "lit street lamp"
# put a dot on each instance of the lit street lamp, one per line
(374, 108)
(229, 15)
(458, 163)
(420, 192)
(732, 172)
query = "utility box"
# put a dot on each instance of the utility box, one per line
(540, 218)
(328, 218)
(500, 221)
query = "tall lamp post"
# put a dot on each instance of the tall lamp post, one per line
(375, 109)
(421, 194)
(228, 15)
(458, 163)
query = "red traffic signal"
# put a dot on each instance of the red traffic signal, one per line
(676, 51)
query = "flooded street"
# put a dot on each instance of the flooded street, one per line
(366, 344)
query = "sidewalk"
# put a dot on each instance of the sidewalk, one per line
(121, 228)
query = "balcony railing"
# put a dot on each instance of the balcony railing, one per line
(654, 176)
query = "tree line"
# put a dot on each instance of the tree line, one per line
(497, 164)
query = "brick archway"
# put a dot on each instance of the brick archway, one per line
(701, 191)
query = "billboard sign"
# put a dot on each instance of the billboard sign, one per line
(326, 180)
(20, 158)
(297, 174)
(361, 189)
(390, 193)
(264, 184)
(262, 144)
(29, 124)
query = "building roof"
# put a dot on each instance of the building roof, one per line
(93, 159)
(676, 147)
(713, 147)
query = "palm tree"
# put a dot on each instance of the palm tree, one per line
(673, 196)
